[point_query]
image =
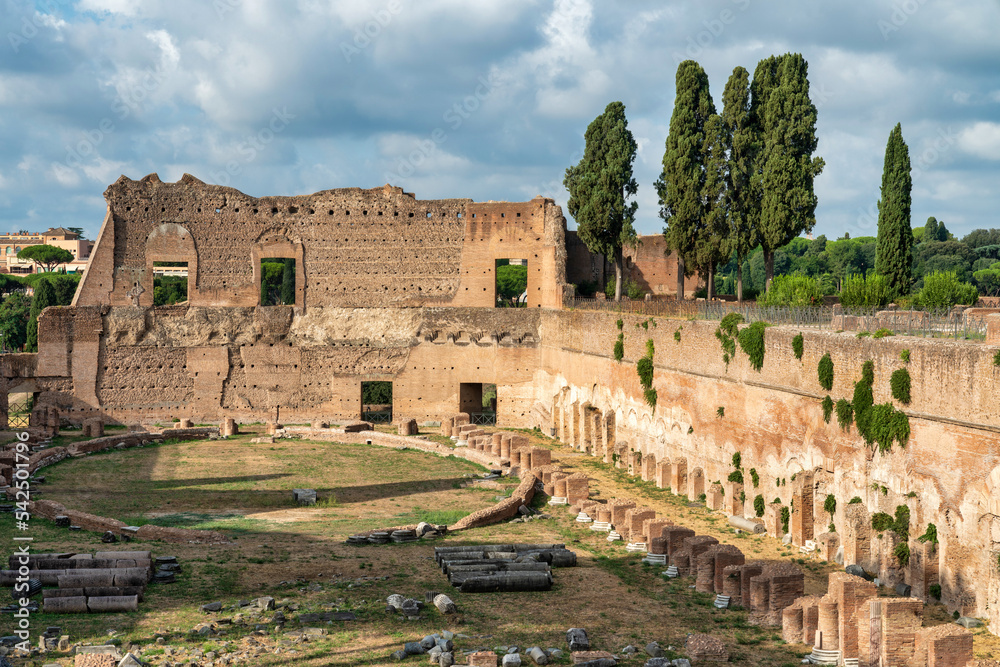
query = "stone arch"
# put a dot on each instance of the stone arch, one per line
(696, 484)
(169, 242)
(648, 467)
(275, 243)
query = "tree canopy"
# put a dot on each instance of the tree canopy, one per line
(600, 187)
(47, 256)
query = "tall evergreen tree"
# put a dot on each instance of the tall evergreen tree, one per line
(600, 186)
(894, 243)
(712, 243)
(739, 169)
(785, 121)
(44, 297)
(681, 186)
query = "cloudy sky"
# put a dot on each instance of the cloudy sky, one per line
(485, 99)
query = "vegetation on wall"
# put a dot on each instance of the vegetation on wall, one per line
(830, 505)
(905, 355)
(863, 401)
(845, 413)
(727, 332)
(752, 343)
(996, 358)
(785, 516)
(900, 383)
(856, 500)
(758, 505)
(644, 367)
(930, 535)
(797, 346)
(677, 334)
(886, 425)
(824, 371)
(827, 409)
(754, 477)
(902, 553)
(620, 347)
(720, 411)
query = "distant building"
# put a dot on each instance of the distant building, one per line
(13, 243)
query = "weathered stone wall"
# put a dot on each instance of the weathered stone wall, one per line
(353, 247)
(948, 474)
(650, 265)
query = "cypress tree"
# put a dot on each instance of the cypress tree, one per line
(894, 243)
(785, 121)
(44, 297)
(600, 186)
(712, 243)
(739, 169)
(288, 283)
(681, 186)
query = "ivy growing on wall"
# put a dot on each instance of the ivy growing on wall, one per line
(620, 347)
(720, 411)
(930, 535)
(856, 500)
(727, 332)
(824, 370)
(754, 477)
(752, 343)
(827, 409)
(881, 522)
(758, 505)
(886, 425)
(863, 402)
(797, 346)
(830, 505)
(737, 474)
(900, 384)
(902, 553)
(644, 367)
(905, 356)
(845, 414)
(785, 516)
(677, 334)
(996, 358)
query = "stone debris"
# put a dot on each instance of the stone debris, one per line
(304, 496)
(593, 659)
(705, 648)
(577, 639)
(503, 567)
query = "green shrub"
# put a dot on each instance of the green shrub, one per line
(644, 367)
(620, 324)
(883, 333)
(650, 348)
(785, 516)
(645, 325)
(797, 346)
(793, 290)
(872, 291)
(881, 522)
(736, 476)
(996, 358)
(930, 535)
(727, 333)
(863, 334)
(650, 396)
(752, 343)
(677, 334)
(630, 289)
(777, 500)
(720, 411)
(758, 505)
(868, 372)
(902, 553)
(943, 289)
(830, 504)
(886, 425)
(900, 383)
(935, 591)
(856, 500)
(737, 460)
(620, 347)
(754, 477)
(863, 401)
(901, 525)
(845, 414)
(905, 356)
(827, 409)
(824, 371)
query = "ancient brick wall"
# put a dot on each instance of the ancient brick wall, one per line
(353, 247)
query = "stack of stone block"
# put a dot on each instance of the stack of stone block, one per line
(93, 428)
(451, 425)
(705, 648)
(107, 581)
(632, 530)
(777, 586)
(406, 426)
(710, 567)
(619, 507)
(228, 427)
(685, 559)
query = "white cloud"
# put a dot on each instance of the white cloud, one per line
(981, 139)
(120, 7)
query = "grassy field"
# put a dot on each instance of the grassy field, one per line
(297, 555)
